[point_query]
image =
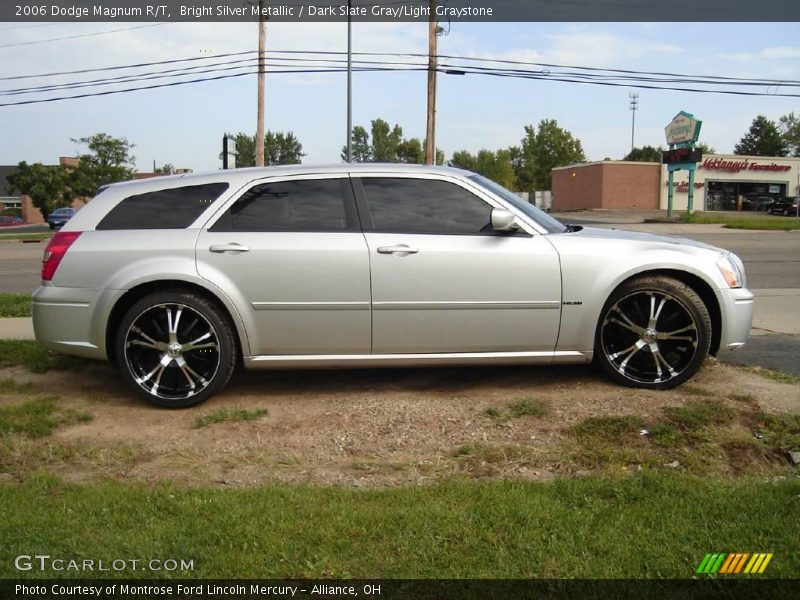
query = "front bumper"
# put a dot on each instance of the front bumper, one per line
(736, 309)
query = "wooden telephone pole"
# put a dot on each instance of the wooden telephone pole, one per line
(430, 139)
(262, 35)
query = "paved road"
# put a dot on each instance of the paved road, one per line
(20, 266)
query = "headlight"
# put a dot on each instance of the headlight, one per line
(732, 270)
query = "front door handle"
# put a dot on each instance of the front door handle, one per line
(234, 247)
(399, 249)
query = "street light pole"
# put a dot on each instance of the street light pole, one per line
(349, 84)
(634, 98)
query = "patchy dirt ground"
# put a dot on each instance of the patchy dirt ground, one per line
(370, 428)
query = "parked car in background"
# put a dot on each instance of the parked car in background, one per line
(784, 206)
(59, 217)
(7, 221)
(180, 279)
(757, 203)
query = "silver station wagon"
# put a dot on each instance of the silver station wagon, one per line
(180, 279)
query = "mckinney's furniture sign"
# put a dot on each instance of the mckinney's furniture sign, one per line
(683, 129)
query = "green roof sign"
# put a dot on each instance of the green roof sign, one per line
(683, 129)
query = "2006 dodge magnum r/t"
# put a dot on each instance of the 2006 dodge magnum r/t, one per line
(178, 279)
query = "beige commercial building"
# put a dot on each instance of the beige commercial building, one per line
(722, 182)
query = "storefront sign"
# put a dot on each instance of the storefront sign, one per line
(735, 166)
(683, 129)
(681, 155)
(683, 186)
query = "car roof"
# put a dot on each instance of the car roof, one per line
(238, 177)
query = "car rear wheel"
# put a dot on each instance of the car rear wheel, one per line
(176, 349)
(653, 332)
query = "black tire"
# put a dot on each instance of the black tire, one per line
(176, 349)
(653, 332)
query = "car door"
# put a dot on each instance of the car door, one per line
(291, 254)
(443, 281)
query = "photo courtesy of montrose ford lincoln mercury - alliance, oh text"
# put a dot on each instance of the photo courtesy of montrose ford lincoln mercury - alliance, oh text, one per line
(180, 279)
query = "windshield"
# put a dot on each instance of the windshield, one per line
(550, 224)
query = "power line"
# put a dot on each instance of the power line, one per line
(594, 77)
(680, 76)
(176, 83)
(83, 35)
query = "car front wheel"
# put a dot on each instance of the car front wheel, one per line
(176, 349)
(653, 332)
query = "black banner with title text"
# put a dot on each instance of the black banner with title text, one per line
(673, 11)
(398, 589)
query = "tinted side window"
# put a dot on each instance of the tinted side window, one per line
(304, 205)
(174, 208)
(425, 206)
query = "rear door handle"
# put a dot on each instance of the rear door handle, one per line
(399, 249)
(234, 247)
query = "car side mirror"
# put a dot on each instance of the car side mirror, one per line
(503, 220)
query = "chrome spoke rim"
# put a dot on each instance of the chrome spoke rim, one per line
(172, 351)
(649, 336)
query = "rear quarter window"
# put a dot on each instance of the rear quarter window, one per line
(172, 208)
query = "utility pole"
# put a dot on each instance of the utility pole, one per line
(430, 139)
(634, 106)
(260, 112)
(349, 84)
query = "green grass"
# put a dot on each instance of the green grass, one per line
(608, 429)
(228, 415)
(745, 221)
(774, 375)
(780, 432)
(527, 408)
(11, 386)
(38, 418)
(36, 359)
(44, 235)
(15, 305)
(520, 408)
(698, 414)
(693, 390)
(630, 527)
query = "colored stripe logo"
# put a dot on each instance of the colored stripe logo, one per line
(734, 563)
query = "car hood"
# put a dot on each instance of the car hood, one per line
(638, 236)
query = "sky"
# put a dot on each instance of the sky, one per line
(183, 125)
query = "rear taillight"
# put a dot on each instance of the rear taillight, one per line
(55, 251)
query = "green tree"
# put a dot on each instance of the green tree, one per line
(762, 139)
(705, 148)
(166, 169)
(385, 141)
(245, 149)
(463, 159)
(645, 154)
(362, 151)
(279, 149)
(387, 144)
(282, 149)
(543, 148)
(496, 166)
(45, 184)
(789, 126)
(411, 152)
(107, 161)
